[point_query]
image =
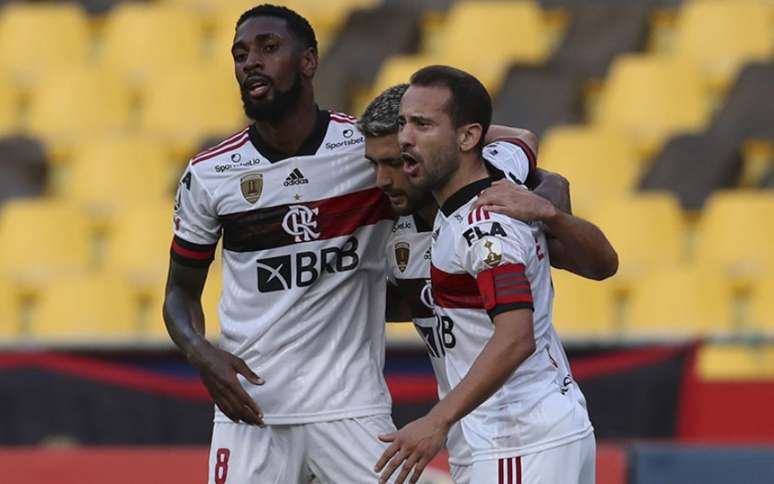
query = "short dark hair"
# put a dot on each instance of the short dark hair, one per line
(380, 118)
(297, 25)
(469, 103)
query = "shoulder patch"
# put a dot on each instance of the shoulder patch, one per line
(490, 251)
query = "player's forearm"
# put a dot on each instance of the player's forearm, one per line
(499, 358)
(497, 131)
(554, 188)
(184, 319)
(583, 249)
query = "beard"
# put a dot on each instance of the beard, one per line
(438, 170)
(275, 109)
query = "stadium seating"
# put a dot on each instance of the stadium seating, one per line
(86, 308)
(719, 36)
(140, 39)
(650, 98)
(37, 39)
(681, 302)
(553, 99)
(103, 104)
(186, 104)
(25, 167)
(9, 106)
(598, 32)
(601, 165)
(692, 167)
(647, 231)
(762, 306)
(138, 247)
(9, 318)
(583, 309)
(41, 238)
(107, 173)
(735, 362)
(736, 233)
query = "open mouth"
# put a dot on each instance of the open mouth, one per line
(257, 87)
(410, 164)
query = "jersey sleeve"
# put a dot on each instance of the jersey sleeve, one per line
(512, 157)
(196, 225)
(496, 252)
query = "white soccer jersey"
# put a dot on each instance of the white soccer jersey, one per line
(484, 264)
(303, 274)
(408, 260)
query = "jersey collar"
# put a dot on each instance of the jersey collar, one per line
(464, 195)
(308, 148)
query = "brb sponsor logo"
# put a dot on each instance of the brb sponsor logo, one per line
(302, 269)
(301, 223)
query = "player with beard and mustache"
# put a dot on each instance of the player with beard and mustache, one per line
(303, 229)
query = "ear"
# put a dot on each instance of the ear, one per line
(468, 136)
(309, 62)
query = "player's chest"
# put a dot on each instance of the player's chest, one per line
(409, 254)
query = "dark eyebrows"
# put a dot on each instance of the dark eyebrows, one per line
(260, 38)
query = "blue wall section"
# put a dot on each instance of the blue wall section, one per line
(672, 464)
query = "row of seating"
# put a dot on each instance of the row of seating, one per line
(136, 39)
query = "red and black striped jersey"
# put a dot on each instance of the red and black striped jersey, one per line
(485, 264)
(303, 240)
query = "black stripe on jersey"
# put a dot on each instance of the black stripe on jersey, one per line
(308, 148)
(464, 195)
(504, 308)
(410, 291)
(190, 254)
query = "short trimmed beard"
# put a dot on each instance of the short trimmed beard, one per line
(276, 109)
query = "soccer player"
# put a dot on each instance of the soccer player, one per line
(297, 377)
(408, 250)
(492, 293)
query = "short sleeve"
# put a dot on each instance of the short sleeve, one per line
(196, 225)
(496, 253)
(512, 158)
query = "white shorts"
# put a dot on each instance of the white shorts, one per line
(341, 451)
(573, 463)
(460, 474)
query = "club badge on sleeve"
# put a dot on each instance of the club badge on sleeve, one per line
(252, 186)
(402, 252)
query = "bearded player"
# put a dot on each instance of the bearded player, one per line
(491, 285)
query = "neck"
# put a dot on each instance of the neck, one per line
(470, 170)
(288, 134)
(427, 211)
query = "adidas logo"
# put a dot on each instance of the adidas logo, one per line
(295, 178)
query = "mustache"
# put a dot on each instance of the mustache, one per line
(256, 79)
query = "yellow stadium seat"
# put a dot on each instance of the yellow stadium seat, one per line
(40, 238)
(83, 309)
(735, 362)
(762, 306)
(40, 38)
(139, 243)
(402, 334)
(187, 104)
(646, 230)
(9, 106)
(79, 104)
(508, 31)
(601, 165)
(651, 98)
(155, 328)
(141, 39)
(721, 36)
(736, 233)
(681, 302)
(583, 308)
(110, 173)
(9, 313)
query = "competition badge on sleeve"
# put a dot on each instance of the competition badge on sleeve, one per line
(252, 186)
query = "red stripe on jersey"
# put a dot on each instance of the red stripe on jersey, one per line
(525, 147)
(352, 211)
(504, 285)
(500, 471)
(343, 115)
(234, 145)
(222, 143)
(455, 290)
(336, 119)
(510, 471)
(191, 254)
(470, 218)
(518, 470)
